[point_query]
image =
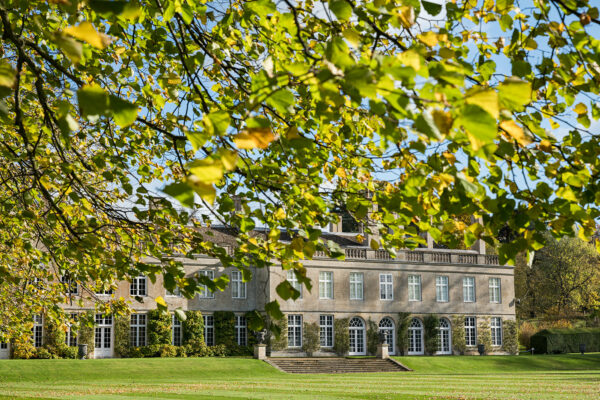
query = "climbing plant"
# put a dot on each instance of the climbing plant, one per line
(459, 343)
(431, 327)
(402, 329)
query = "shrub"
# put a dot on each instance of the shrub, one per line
(528, 328)
(279, 342)
(484, 334)
(431, 325)
(372, 337)
(167, 350)
(181, 351)
(151, 350)
(510, 342)
(54, 338)
(311, 342)
(159, 328)
(459, 342)
(193, 327)
(70, 352)
(402, 334)
(43, 353)
(23, 348)
(122, 328)
(136, 352)
(219, 350)
(341, 336)
(566, 340)
(225, 328)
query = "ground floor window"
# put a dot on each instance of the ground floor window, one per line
(241, 333)
(3, 346)
(294, 330)
(176, 331)
(209, 330)
(38, 330)
(444, 337)
(496, 327)
(415, 337)
(103, 331)
(326, 330)
(137, 336)
(71, 336)
(357, 336)
(386, 327)
(470, 331)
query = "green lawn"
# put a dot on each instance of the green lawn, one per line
(492, 377)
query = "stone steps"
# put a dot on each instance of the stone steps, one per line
(335, 365)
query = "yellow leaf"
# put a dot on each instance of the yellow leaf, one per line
(161, 301)
(443, 120)
(228, 159)
(428, 38)
(516, 132)
(86, 32)
(207, 170)
(580, 109)
(411, 58)
(566, 193)
(486, 99)
(292, 133)
(206, 191)
(374, 244)
(280, 214)
(450, 157)
(254, 137)
(352, 37)
(341, 172)
(545, 145)
(407, 16)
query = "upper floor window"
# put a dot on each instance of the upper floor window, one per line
(138, 286)
(386, 287)
(356, 286)
(175, 293)
(241, 332)
(293, 280)
(470, 331)
(238, 286)
(468, 289)
(103, 291)
(209, 330)
(205, 292)
(496, 328)
(177, 331)
(137, 335)
(325, 285)
(294, 330)
(495, 290)
(441, 288)
(326, 330)
(414, 288)
(69, 284)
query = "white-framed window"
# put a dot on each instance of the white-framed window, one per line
(356, 285)
(175, 293)
(294, 330)
(38, 330)
(241, 331)
(326, 330)
(70, 335)
(414, 288)
(441, 288)
(415, 337)
(325, 285)
(104, 292)
(103, 331)
(444, 337)
(3, 345)
(495, 290)
(69, 284)
(176, 331)
(468, 289)
(293, 280)
(496, 327)
(209, 330)
(386, 327)
(205, 292)
(137, 332)
(138, 286)
(470, 331)
(238, 286)
(386, 287)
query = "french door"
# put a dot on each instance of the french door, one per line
(357, 337)
(103, 339)
(4, 351)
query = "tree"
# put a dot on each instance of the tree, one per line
(564, 280)
(409, 113)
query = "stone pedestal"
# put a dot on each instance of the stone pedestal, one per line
(260, 351)
(383, 351)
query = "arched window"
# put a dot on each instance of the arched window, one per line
(444, 337)
(357, 337)
(415, 337)
(386, 326)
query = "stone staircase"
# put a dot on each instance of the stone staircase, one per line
(331, 365)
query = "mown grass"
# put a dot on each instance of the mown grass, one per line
(493, 377)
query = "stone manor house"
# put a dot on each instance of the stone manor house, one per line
(369, 285)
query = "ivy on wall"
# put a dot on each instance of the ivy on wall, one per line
(459, 343)
(431, 325)
(402, 332)
(193, 328)
(122, 328)
(510, 339)
(341, 336)
(225, 328)
(372, 337)
(311, 341)
(280, 342)
(159, 328)
(54, 338)
(484, 334)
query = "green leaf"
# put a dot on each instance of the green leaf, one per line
(281, 100)
(7, 74)
(480, 125)
(432, 8)
(182, 192)
(341, 9)
(124, 9)
(286, 291)
(338, 53)
(207, 170)
(69, 46)
(122, 111)
(514, 94)
(426, 124)
(255, 321)
(216, 123)
(86, 32)
(180, 314)
(272, 309)
(93, 100)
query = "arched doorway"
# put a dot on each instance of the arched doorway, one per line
(444, 337)
(357, 337)
(386, 326)
(415, 337)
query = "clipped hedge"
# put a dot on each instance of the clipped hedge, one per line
(341, 336)
(122, 331)
(311, 342)
(484, 334)
(566, 340)
(193, 327)
(510, 339)
(372, 337)
(402, 334)
(431, 324)
(159, 328)
(225, 328)
(459, 342)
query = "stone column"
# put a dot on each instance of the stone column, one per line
(260, 351)
(383, 351)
